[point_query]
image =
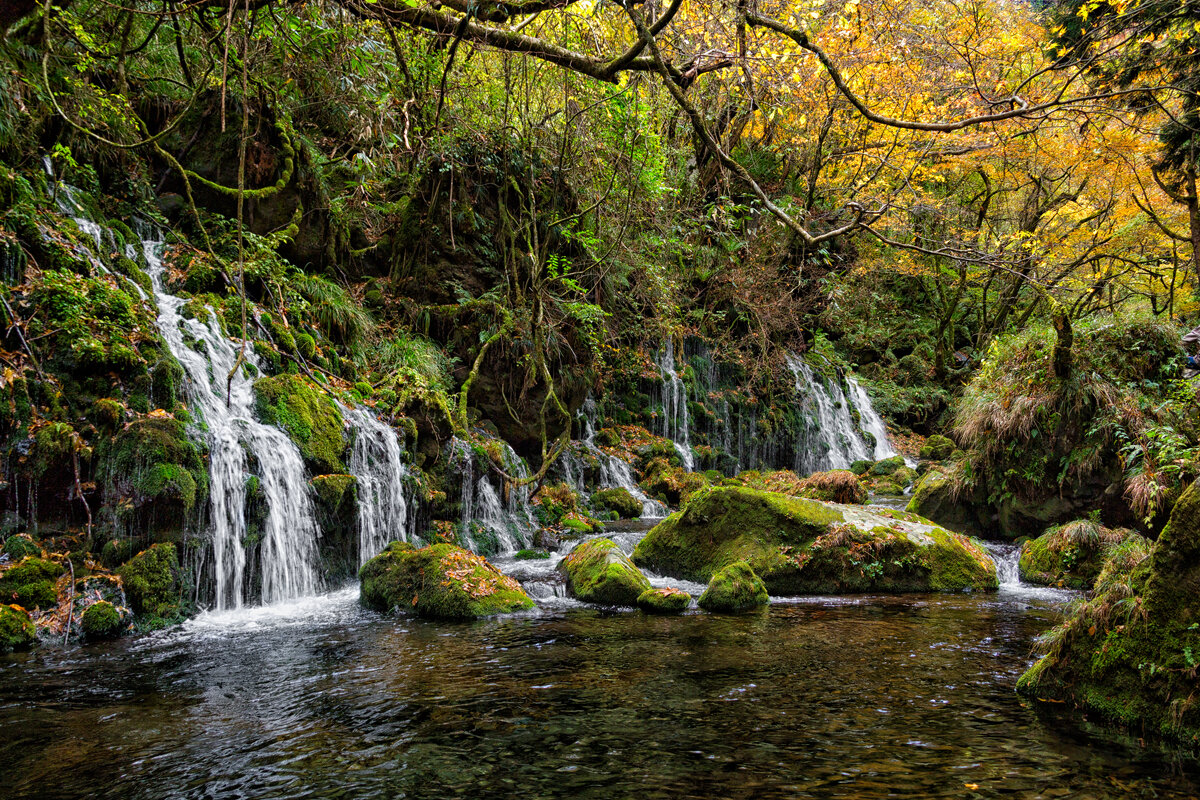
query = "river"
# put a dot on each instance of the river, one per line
(853, 697)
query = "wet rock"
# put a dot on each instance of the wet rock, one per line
(801, 546)
(598, 572)
(734, 588)
(664, 601)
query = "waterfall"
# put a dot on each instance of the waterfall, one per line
(377, 463)
(832, 439)
(1007, 557)
(614, 472)
(289, 538)
(491, 523)
(675, 406)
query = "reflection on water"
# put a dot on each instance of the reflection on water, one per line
(907, 697)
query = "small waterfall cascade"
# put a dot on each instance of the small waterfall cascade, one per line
(492, 524)
(833, 439)
(289, 537)
(675, 406)
(377, 463)
(1007, 557)
(614, 472)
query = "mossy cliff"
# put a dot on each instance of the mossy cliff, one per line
(1131, 653)
(598, 572)
(308, 415)
(441, 581)
(801, 546)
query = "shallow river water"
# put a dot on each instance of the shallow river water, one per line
(860, 697)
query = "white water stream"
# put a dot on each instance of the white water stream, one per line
(377, 462)
(675, 406)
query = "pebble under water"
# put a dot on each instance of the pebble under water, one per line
(860, 697)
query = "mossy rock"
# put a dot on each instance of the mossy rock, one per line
(117, 551)
(20, 545)
(934, 497)
(1069, 555)
(576, 524)
(30, 583)
(1128, 653)
(153, 464)
(531, 555)
(152, 581)
(887, 466)
(311, 419)
(861, 466)
(664, 601)
(734, 588)
(672, 483)
(936, 448)
(441, 581)
(619, 500)
(802, 546)
(102, 620)
(17, 631)
(598, 572)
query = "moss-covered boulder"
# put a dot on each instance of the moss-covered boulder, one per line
(156, 475)
(1069, 555)
(664, 601)
(936, 448)
(152, 581)
(20, 545)
(598, 572)
(1131, 652)
(936, 497)
(441, 582)
(802, 546)
(887, 466)
(17, 631)
(734, 588)
(102, 620)
(619, 500)
(837, 486)
(31, 583)
(309, 416)
(673, 484)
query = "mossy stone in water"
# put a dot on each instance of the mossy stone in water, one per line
(101, 620)
(619, 500)
(598, 572)
(17, 631)
(1069, 555)
(801, 546)
(734, 588)
(30, 583)
(664, 601)
(441, 581)
(887, 466)
(311, 419)
(151, 580)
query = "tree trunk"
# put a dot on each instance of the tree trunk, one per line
(1063, 343)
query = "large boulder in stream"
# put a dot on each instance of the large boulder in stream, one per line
(441, 581)
(801, 546)
(17, 631)
(1131, 652)
(598, 572)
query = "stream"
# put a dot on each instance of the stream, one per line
(833, 697)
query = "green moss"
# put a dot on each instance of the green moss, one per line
(530, 555)
(107, 414)
(441, 581)
(152, 581)
(1131, 651)
(20, 545)
(37, 594)
(663, 601)
(117, 551)
(334, 490)
(887, 466)
(860, 467)
(734, 588)
(306, 345)
(154, 462)
(311, 419)
(800, 546)
(598, 572)
(936, 448)
(101, 620)
(575, 524)
(619, 500)
(17, 631)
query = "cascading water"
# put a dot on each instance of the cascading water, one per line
(832, 439)
(490, 523)
(675, 406)
(614, 472)
(222, 394)
(377, 463)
